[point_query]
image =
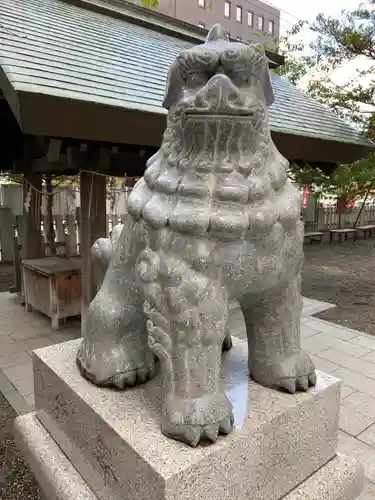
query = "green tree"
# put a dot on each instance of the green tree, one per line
(339, 41)
(152, 4)
(297, 62)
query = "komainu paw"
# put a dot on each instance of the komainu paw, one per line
(289, 373)
(195, 420)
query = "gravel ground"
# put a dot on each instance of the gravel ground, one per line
(343, 274)
(16, 481)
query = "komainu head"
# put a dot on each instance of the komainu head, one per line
(217, 144)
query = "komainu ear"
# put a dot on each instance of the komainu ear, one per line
(175, 84)
(264, 74)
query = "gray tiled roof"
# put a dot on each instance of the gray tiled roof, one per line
(56, 48)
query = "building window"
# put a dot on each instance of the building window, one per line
(261, 23)
(250, 19)
(239, 14)
(227, 9)
(202, 3)
(201, 25)
(271, 27)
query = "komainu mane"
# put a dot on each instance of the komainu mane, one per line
(213, 219)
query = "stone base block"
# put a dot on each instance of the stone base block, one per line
(340, 479)
(114, 442)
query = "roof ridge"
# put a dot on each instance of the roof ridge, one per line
(150, 18)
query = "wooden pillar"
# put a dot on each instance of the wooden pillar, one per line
(92, 227)
(32, 244)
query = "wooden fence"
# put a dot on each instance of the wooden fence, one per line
(324, 218)
(65, 211)
(66, 208)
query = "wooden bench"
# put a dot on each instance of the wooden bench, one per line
(367, 230)
(343, 234)
(314, 236)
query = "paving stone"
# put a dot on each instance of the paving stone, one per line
(365, 454)
(353, 422)
(362, 403)
(336, 331)
(5, 384)
(24, 386)
(65, 336)
(369, 357)
(14, 359)
(11, 348)
(316, 344)
(6, 340)
(346, 361)
(323, 365)
(356, 380)
(307, 332)
(346, 390)
(18, 402)
(19, 372)
(368, 436)
(364, 342)
(29, 332)
(319, 342)
(5, 330)
(31, 344)
(348, 348)
(30, 400)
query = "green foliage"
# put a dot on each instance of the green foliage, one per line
(152, 4)
(338, 42)
(296, 64)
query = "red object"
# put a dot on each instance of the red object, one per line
(305, 192)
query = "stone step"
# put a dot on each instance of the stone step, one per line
(340, 479)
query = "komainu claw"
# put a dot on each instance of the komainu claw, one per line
(211, 432)
(289, 385)
(303, 383)
(312, 379)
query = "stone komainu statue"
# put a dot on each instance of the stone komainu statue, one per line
(213, 219)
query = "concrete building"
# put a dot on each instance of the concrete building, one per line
(246, 19)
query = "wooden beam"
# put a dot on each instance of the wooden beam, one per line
(92, 227)
(54, 149)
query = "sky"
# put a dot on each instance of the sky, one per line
(292, 10)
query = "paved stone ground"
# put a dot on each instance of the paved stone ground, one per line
(347, 354)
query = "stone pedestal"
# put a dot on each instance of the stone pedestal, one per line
(89, 443)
